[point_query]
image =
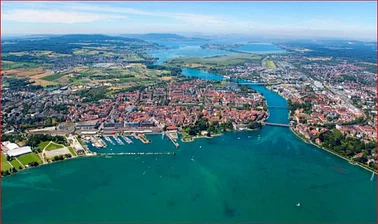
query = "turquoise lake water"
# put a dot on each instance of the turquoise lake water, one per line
(254, 176)
(259, 48)
(193, 49)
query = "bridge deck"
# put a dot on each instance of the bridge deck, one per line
(277, 124)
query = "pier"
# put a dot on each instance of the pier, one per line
(136, 153)
(127, 139)
(277, 124)
(118, 140)
(107, 138)
(173, 140)
(142, 138)
(98, 142)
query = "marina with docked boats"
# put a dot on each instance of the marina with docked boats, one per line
(104, 141)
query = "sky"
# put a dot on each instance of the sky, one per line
(355, 20)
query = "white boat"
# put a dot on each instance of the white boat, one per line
(127, 140)
(109, 140)
(298, 204)
(372, 177)
(118, 140)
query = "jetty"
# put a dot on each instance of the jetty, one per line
(127, 140)
(173, 139)
(118, 140)
(136, 153)
(98, 143)
(142, 138)
(107, 138)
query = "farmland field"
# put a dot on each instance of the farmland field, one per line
(269, 64)
(54, 76)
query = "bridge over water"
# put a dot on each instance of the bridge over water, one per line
(251, 83)
(257, 83)
(277, 124)
(278, 107)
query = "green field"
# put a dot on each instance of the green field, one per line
(53, 77)
(16, 164)
(215, 62)
(42, 145)
(4, 163)
(53, 146)
(269, 64)
(7, 65)
(28, 158)
(72, 151)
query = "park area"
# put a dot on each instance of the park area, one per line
(52, 146)
(29, 158)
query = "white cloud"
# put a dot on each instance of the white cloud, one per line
(55, 16)
(186, 17)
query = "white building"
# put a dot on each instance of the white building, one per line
(9, 146)
(19, 151)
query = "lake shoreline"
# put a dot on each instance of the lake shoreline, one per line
(340, 156)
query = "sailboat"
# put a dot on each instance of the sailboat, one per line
(372, 177)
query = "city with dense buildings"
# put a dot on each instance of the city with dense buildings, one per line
(331, 105)
(191, 107)
(331, 102)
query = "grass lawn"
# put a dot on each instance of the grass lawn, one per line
(5, 166)
(30, 157)
(54, 146)
(3, 158)
(72, 151)
(42, 145)
(16, 164)
(4, 163)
